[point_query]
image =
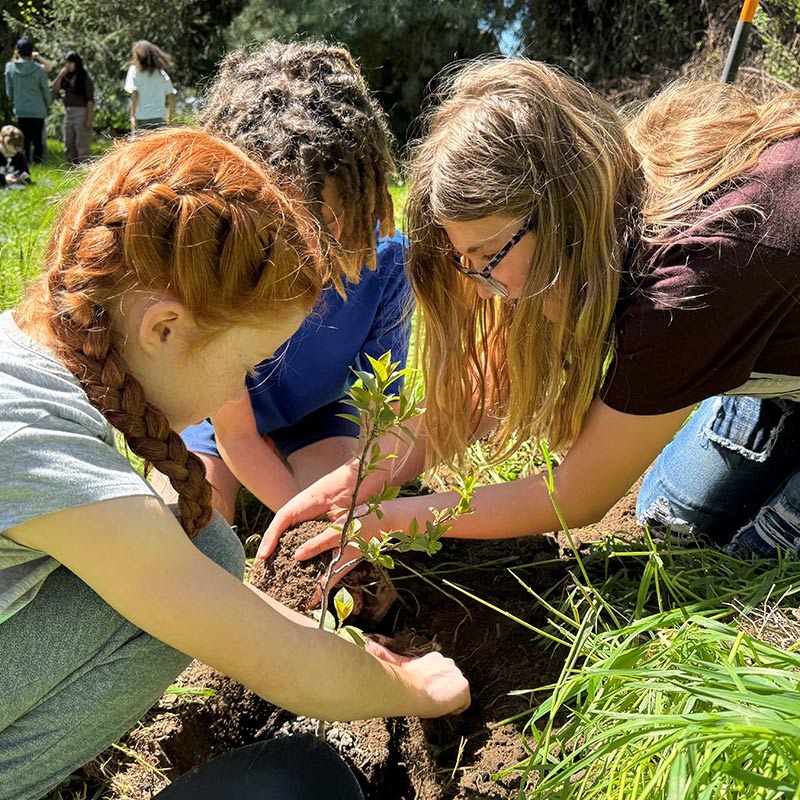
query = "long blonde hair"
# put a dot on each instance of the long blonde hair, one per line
(693, 139)
(518, 138)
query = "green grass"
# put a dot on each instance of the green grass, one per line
(26, 218)
(667, 690)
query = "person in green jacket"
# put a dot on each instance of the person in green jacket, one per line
(29, 91)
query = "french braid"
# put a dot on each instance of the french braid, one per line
(178, 210)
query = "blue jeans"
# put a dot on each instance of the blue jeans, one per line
(731, 476)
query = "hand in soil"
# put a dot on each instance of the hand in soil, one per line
(441, 686)
(327, 496)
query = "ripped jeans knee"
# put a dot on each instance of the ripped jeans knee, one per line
(664, 523)
(720, 469)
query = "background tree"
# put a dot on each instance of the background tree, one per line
(192, 31)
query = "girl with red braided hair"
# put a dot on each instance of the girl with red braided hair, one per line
(174, 269)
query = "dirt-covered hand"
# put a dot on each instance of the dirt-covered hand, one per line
(442, 687)
(329, 495)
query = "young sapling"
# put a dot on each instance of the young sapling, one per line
(381, 410)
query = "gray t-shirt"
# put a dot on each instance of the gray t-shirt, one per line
(57, 451)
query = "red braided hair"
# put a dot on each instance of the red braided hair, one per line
(178, 210)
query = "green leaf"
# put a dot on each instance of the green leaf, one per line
(354, 635)
(343, 602)
(330, 620)
(386, 561)
(354, 529)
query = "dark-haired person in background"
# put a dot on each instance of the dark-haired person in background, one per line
(78, 90)
(29, 92)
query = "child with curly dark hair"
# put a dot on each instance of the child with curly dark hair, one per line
(305, 110)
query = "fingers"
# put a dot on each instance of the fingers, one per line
(304, 506)
(327, 540)
(290, 514)
(271, 537)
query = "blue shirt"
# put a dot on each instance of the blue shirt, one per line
(313, 369)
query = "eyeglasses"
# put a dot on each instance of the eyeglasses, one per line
(483, 277)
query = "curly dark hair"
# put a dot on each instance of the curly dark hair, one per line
(305, 109)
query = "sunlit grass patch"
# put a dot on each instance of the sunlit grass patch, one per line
(667, 691)
(26, 219)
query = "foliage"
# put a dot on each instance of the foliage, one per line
(26, 217)
(779, 32)
(600, 41)
(669, 708)
(190, 30)
(662, 694)
(382, 410)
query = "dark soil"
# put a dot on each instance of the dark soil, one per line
(453, 758)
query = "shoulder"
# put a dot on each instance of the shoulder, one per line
(34, 386)
(392, 251)
(772, 187)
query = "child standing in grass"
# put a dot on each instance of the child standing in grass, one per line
(304, 109)
(174, 269)
(150, 87)
(589, 281)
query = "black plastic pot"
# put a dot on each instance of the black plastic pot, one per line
(292, 768)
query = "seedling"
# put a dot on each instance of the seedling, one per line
(381, 410)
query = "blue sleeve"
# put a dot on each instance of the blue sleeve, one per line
(9, 84)
(391, 329)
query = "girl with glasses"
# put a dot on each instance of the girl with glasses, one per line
(588, 280)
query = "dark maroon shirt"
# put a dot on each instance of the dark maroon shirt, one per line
(717, 310)
(72, 97)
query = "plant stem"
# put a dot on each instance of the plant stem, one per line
(329, 573)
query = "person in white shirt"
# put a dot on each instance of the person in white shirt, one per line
(150, 87)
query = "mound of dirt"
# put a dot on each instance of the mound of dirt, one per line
(439, 607)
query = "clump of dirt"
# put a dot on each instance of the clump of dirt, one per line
(439, 607)
(289, 581)
(295, 583)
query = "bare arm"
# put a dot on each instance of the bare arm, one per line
(249, 457)
(134, 554)
(613, 450)
(134, 106)
(334, 490)
(56, 83)
(46, 63)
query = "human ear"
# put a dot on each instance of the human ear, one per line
(164, 323)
